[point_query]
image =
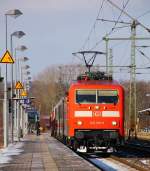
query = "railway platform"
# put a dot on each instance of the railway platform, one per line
(44, 153)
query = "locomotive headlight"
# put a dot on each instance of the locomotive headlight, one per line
(114, 123)
(97, 107)
(89, 107)
(79, 123)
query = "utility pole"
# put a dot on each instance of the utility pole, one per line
(110, 62)
(132, 96)
(128, 15)
(106, 41)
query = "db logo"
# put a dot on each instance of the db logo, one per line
(97, 113)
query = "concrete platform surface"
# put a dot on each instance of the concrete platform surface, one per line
(44, 153)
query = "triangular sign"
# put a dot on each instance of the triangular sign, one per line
(7, 58)
(19, 85)
(24, 93)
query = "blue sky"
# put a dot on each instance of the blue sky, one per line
(56, 28)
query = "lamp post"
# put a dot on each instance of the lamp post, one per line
(23, 115)
(13, 13)
(28, 84)
(28, 87)
(24, 59)
(29, 78)
(17, 117)
(27, 73)
(19, 48)
(17, 34)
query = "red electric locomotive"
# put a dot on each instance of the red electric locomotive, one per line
(92, 114)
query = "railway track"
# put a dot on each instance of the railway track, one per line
(130, 157)
(135, 155)
(107, 163)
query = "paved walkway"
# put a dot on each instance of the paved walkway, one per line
(36, 157)
(44, 153)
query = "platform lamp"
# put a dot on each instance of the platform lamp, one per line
(28, 84)
(24, 116)
(24, 67)
(17, 34)
(29, 78)
(17, 75)
(27, 73)
(19, 48)
(13, 13)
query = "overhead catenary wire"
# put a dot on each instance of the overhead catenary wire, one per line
(143, 54)
(93, 27)
(145, 13)
(125, 60)
(122, 10)
(113, 28)
(128, 15)
(132, 18)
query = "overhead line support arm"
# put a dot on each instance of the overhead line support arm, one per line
(132, 18)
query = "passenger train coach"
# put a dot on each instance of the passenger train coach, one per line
(91, 115)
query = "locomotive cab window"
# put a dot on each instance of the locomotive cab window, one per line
(86, 96)
(107, 96)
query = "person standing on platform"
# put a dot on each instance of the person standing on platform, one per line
(37, 127)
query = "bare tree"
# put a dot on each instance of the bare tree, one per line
(52, 83)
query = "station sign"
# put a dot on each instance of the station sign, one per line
(26, 101)
(7, 58)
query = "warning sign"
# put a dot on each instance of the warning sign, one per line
(24, 93)
(7, 58)
(19, 85)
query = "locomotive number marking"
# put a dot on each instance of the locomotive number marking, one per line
(96, 123)
(97, 113)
